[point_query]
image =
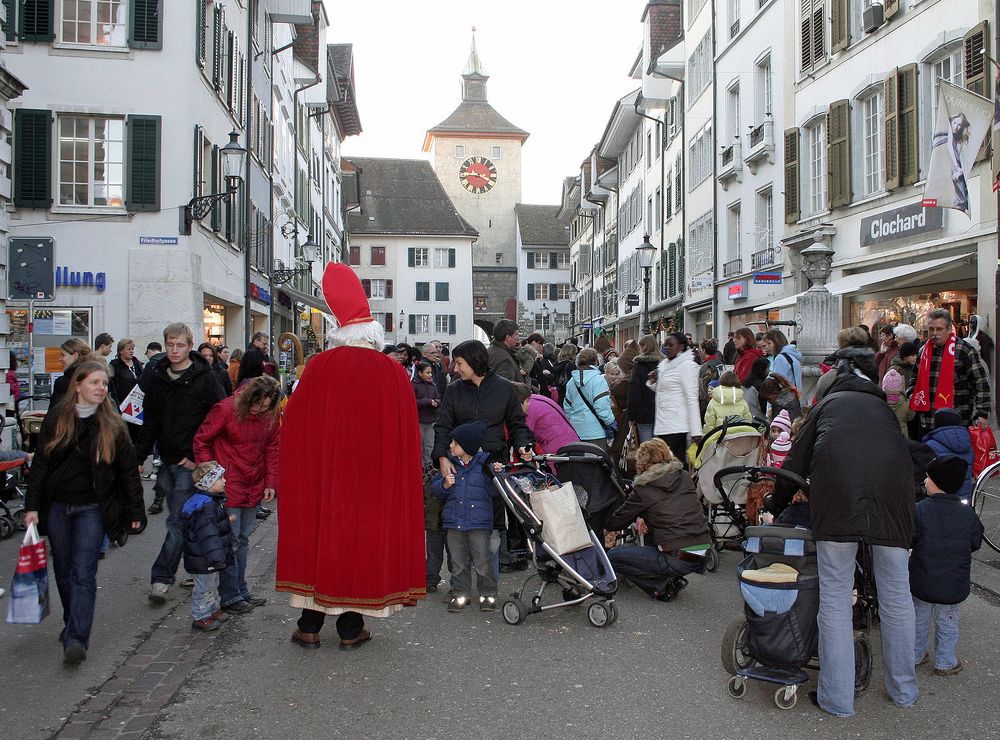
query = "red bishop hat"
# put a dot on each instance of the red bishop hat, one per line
(344, 295)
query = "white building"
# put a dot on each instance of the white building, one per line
(412, 251)
(543, 270)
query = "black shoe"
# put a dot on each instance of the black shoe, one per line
(263, 514)
(814, 698)
(256, 601)
(238, 607)
(432, 588)
(74, 654)
(157, 506)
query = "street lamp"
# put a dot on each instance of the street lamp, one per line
(546, 313)
(310, 254)
(233, 160)
(574, 296)
(645, 253)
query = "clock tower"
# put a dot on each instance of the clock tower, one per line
(477, 156)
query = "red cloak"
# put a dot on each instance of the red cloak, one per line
(350, 508)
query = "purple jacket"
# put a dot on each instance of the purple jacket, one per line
(425, 393)
(548, 422)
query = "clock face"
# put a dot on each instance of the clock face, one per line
(477, 174)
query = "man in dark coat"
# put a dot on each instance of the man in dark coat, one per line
(861, 491)
(432, 355)
(503, 358)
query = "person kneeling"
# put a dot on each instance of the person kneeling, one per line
(666, 509)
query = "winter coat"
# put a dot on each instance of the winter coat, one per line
(946, 441)
(677, 410)
(224, 380)
(247, 449)
(561, 372)
(426, 392)
(884, 358)
(123, 379)
(117, 484)
(786, 401)
(549, 424)
(14, 383)
(901, 408)
(667, 500)
(945, 534)
(903, 368)
(745, 361)
(858, 466)
(503, 362)
(174, 409)
(788, 364)
(205, 529)
(590, 382)
(725, 402)
(642, 398)
(467, 504)
(492, 402)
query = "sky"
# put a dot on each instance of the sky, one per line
(556, 69)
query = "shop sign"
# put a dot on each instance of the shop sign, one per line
(158, 240)
(77, 279)
(738, 291)
(900, 223)
(587, 325)
(260, 293)
(767, 278)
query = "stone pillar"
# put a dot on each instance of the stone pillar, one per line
(818, 314)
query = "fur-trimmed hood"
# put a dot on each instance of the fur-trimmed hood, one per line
(655, 359)
(657, 471)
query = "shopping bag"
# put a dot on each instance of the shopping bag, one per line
(563, 526)
(984, 446)
(28, 602)
(131, 406)
(630, 451)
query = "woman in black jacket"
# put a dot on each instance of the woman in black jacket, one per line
(125, 372)
(641, 398)
(211, 354)
(84, 483)
(71, 353)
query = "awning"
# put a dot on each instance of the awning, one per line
(854, 283)
(312, 301)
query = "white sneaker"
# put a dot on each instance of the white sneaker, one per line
(158, 593)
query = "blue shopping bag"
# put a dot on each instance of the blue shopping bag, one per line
(28, 602)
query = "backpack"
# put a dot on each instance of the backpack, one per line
(561, 377)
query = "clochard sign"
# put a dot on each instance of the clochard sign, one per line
(900, 223)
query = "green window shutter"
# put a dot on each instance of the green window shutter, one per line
(891, 8)
(411, 258)
(838, 135)
(451, 323)
(906, 116)
(199, 160)
(201, 33)
(142, 163)
(32, 158)
(217, 208)
(441, 291)
(413, 324)
(840, 34)
(792, 208)
(974, 44)
(35, 22)
(531, 260)
(9, 28)
(531, 291)
(451, 258)
(145, 27)
(218, 48)
(890, 117)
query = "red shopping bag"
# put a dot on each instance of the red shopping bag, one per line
(28, 602)
(984, 447)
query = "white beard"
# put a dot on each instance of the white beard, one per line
(370, 335)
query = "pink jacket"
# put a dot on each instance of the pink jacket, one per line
(549, 424)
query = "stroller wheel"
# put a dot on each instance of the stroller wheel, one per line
(785, 697)
(711, 560)
(6, 526)
(514, 611)
(862, 663)
(734, 647)
(737, 687)
(599, 614)
(613, 613)
(19, 519)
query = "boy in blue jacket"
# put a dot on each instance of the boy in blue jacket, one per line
(950, 437)
(207, 552)
(467, 517)
(945, 534)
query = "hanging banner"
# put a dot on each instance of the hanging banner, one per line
(963, 120)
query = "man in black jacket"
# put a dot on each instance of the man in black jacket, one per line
(180, 389)
(432, 355)
(861, 490)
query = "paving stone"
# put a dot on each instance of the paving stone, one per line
(139, 723)
(75, 730)
(139, 660)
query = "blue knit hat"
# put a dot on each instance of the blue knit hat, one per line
(469, 436)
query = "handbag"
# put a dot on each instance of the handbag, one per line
(131, 406)
(610, 430)
(984, 445)
(630, 451)
(28, 602)
(563, 527)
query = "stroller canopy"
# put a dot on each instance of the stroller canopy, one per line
(597, 474)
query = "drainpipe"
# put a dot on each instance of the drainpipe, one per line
(663, 156)
(715, 179)
(248, 170)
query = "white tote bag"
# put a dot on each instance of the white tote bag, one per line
(563, 526)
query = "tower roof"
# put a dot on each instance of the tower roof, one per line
(474, 66)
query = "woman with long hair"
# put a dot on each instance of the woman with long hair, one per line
(71, 353)
(780, 395)
(784, 358)
(746, 352)
(84, 483)
(641, 398)
(241, 434)
(233, 365)
(251, 366)
(210, 353)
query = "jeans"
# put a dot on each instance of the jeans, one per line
(945, 619)
(645, 432)
(471, 544)
(75, 534)
(349, 624)
(233, 581)
(205, 597)
(426, 442)
(837, 562)
(437, 551)
(177, 486)
(648, 568)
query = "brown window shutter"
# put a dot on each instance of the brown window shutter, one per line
(838, 137)
(807, 36)
(907, 118)
(818, 32)
(367, 285)
(792, 208)
(891, 8)
(975, 47)
(840, 34)
(891, 124)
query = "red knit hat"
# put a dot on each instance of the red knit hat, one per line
(344, 295)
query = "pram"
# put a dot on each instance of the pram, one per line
(592, 469)
(583, 575)
(733, 445)
(11, 499)
(776, 638)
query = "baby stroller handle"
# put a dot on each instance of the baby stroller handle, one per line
(755, 473)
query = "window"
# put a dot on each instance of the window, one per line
(440, 291)
(765, 220)
(700, 68)
(496, 152)
(444, 257)
(420, 323)
(857, 19)
(562, 260)
(658, 141)
(423, 292)
(93, 22)
(815, 151)
(562, 292)
(499, 258)
(734, 18)
(378, 290)
(812, 39)
(734, 114)
(354, 256)
(649, 214)
(764, 90)
(441, 323)
(948, 68)
(649, 149)
(699, 246)
(419, 256)
(700, 154)
(378, 255)
(658, 213)
(871, 140)
(459, 151)
(91, 161)
(734, 243)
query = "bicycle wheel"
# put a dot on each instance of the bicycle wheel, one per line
(986, 502)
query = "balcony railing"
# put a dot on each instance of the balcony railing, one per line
(733, 267)
(734, 28)
(756, 136)
(727, 156)
(763, 258)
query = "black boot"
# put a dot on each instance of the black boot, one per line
(157, 506)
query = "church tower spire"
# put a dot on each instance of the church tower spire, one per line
(474, 76)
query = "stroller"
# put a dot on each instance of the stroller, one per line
(734, 444)
(592, 469)
(585, 574)
(11, 499)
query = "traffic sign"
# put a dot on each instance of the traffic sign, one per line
(30, 276)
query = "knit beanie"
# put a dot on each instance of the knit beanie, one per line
(892, 384)
(908, 349)
(784, 422)
(948, 472)
(469, 436)
(780, 448)
(947, 418)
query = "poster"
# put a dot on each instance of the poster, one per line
(53, 360)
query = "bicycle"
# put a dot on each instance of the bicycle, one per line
(986, 503)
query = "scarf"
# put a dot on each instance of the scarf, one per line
(944, 392)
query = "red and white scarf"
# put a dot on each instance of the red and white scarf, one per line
(944, 393)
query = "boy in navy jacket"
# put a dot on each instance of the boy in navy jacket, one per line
(945, 534)
(468, 517)
(207, 550)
